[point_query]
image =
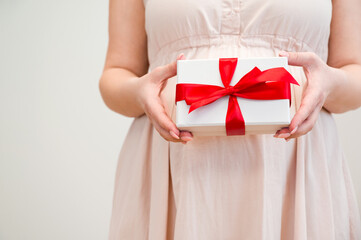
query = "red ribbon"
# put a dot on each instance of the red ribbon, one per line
(270, 84)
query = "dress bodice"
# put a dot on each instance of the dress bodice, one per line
(182, 25)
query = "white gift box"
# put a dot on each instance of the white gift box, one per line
(260, 116)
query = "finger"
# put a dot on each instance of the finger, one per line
(181, 57)
(282, 133)
(157, 113)
(305, 59)
(186, 136)
(308, 124)
(309, 102)
(164, 72)
(168, 136)
(165, 134)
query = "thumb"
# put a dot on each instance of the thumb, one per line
(181, 57)
(168, 70)
(302, 59)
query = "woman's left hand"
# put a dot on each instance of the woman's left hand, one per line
(321, 80)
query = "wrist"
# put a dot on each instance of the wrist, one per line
(137, 85)
(337, 79)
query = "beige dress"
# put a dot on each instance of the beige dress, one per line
(239, 187)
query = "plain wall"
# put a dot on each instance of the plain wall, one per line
(58, 142)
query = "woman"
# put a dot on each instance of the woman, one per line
(239, 187)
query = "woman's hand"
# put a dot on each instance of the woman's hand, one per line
(321, 80)
(150, 88)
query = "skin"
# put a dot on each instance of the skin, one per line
(129, 89)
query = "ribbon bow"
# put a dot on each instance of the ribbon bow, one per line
(270, 84)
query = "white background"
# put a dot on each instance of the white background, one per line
(58, 142)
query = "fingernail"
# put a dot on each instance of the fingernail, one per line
(173, 134)
(294, 130)
(283, 54)
(284, 135)
(180, 56)
(287, 139)
(184, 142)
(186, 139)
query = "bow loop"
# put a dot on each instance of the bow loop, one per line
(226, 69)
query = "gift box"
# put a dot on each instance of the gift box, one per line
(233, 96)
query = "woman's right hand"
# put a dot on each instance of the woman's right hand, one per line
(150, 88)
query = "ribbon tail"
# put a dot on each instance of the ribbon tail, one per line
(234, 120)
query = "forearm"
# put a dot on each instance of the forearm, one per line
(118, 88)
(346, 95)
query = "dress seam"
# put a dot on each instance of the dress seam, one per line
(240, 36)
